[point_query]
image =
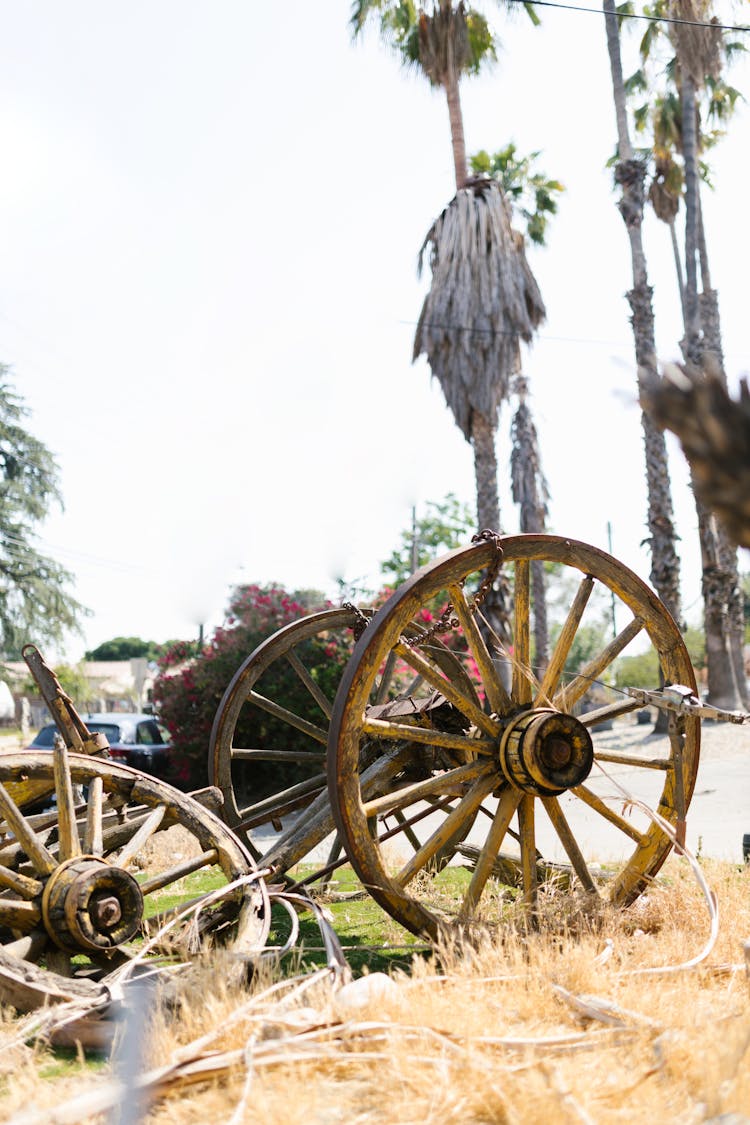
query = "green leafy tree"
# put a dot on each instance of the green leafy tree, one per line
(445, 525)
(531, 193)
(125, 648)
(34, 602)
(190, 687)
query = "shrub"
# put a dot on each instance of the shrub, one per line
(190, 687)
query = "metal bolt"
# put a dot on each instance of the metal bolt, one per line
(105, 912)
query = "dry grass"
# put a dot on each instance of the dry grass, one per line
(559, 1024)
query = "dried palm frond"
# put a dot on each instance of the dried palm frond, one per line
(482, 301)
(699, 48)
(714, 431)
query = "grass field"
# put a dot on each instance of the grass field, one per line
(588, 1018)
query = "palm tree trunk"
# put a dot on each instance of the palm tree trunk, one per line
(455, 115)
(678, 265)
(731, 586)
(485, 472)
(720, 580)
(630, 173)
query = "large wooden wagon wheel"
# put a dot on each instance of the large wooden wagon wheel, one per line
(511, 767)
(72, 903)
(268, 757)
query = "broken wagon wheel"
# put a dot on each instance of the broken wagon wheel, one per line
(268, 743)
(524, 756)
(73, 905)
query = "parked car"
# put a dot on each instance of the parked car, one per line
(135, 739)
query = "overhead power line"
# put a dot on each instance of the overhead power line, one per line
(636, 16)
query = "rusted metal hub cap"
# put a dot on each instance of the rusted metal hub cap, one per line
(88, 904)
(545, 752)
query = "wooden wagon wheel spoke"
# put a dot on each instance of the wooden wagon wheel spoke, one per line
(556, 815)
(92, 838)
(506, 808)
(456, 818)
(569, 695)
(533, 753)
(289, 717)
(568, 632)
(323, 702)
(433, 676)
(594, 802)
(522, 674)
(499, 700)
(77, 916)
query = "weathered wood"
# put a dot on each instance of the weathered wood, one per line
(70, 844)
(405, 731)
(92, 837)
(150, 825)
(499, 700)
(461, 702)
(315, 691)
(21, 884)
(528, 849)
(451, 783)
(573, 852)
(633, 760)
(506, 808)
(568, 696)
(242, 755)
(288, 716)
(522, 687)
(568, 632)
(609, 711)
(179, 871)
(42, 859)
(465, 810)
(605, 811)
(17, 914)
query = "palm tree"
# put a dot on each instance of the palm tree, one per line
(482, 301)
(630, 175)
(675, 118)
(530, 492)
(483, 297)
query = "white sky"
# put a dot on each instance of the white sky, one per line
(209, 221)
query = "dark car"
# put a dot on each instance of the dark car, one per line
(135, 739)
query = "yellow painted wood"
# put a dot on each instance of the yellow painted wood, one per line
(633, 760)
(150, 825)
(41, 858)
(431, 673)
(466, 809)
(568, 632)
(92, 837)
(402, 731)
(522, 687)
(561, 826)
(21, 884)
(594, 802)
(506, 807)
(70, 844)
(498, 698)
(570, 694)
(450, 782)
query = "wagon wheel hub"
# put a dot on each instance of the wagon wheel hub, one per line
(90, 904)
(545, 752)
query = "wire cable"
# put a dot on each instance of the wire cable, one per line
(636, 16)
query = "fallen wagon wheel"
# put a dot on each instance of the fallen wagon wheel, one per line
(518, 774)
(268, 743)
(73, 904)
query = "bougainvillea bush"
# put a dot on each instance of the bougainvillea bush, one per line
(190, 686)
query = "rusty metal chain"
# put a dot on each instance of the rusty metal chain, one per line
(362, 619)
(447, 621)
